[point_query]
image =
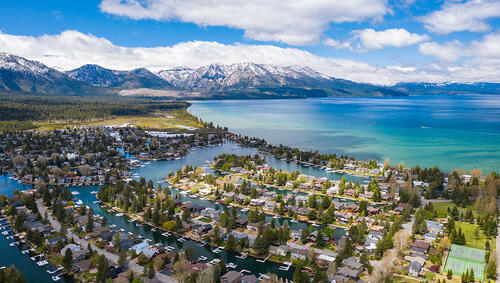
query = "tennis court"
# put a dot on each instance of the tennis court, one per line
(461, 258)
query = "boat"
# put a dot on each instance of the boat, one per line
(231, 265)
(93, 192)
(56, 278)
(201, 258)
(75, 193)
(42, 262)
(119, 214)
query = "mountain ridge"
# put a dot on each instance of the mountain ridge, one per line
(238, 80)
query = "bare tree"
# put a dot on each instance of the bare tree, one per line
(401, 240)
(476, 173)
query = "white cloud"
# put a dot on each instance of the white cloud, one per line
(71, 49)
(448, 52)
(487, 50)
(370, 39)
(295, 22)
(468, 16)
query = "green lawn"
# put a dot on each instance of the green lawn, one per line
(204, 219)
(469, 229)
(442, 208)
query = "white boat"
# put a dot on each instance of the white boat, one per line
(119, 214)
(231, 265)
(201, 258)
(75, 193)
(42, 262)
(56, 278)
(93, 192)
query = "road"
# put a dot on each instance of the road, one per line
(110, 256)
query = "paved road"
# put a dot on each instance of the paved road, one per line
(110, 256)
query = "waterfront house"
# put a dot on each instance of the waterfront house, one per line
(79, 253)
(296, 234)
(324, 260)
(231, 277)
(52, 242)
(281, 250)
(82, 265)
(238, 236)
(249, 279)
(139, 247)
(257, 202)
(299, 252)
(253, 226)
(149, 252)
(241, 223)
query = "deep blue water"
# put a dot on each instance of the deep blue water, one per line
(461, 131)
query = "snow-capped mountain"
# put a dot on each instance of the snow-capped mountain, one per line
(20, 74)
(99, 76)
(216, 77)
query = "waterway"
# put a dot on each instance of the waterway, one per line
(156, 170)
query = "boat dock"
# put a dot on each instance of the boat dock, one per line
(263, 260)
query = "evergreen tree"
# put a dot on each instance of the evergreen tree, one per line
(102, 269)
(68, 258)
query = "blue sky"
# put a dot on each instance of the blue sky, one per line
(363, 40)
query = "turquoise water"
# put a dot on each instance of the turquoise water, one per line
(460, 131)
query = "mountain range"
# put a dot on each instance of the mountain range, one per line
(242, 80)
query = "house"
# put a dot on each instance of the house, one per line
(414, 269)
(79, 253)
(139, 247)
(249, 279)
(231, 277)
(347, 272)
(149, 252)
(52, 242)
(353, 263)
(324, 260)
(281, 250)
(253, 226)
(296, 234)
(349, 193)
(83, 265)
(415, 259)
(299, 253)
(420, 246)
(257, 202)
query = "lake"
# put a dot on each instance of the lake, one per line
(451, 131)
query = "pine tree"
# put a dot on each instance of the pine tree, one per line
(450, 274)
(68, 258)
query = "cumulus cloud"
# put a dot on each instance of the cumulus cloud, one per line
(295, 22)
(486, 50)
(467, 16)
(448, 52)
(370, 39)
(71, 49)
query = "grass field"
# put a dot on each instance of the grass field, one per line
(470, 239)
(175, 119)
(461, 258)
(443, 207)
